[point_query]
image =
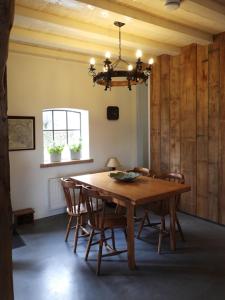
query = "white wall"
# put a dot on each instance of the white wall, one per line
(36, 83)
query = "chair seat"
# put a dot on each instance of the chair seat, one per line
(111, 221)
(74, 212)
(83, 209)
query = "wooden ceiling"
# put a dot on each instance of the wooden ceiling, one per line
(79, 29)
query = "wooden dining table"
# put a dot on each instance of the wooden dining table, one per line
(131, 194)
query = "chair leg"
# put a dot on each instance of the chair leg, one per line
(89, 243)
(68, 228)
(179, 229)
(148, 220)
(100, 252)
(113, 240)
(119, 210)
(105, 242)
(162, 224)
(125, 234)
(76, 234)
(142, 224)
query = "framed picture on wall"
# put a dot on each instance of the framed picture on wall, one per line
(21, 133)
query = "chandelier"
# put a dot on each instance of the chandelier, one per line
(120, 72)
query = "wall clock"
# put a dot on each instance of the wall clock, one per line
(112, 112)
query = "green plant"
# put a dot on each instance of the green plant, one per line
(76, 147)
(55, 149)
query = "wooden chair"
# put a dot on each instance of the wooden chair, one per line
(144, 172)
(161, 208)
(101, 220)
(76, 209)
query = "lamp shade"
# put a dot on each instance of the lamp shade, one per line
(113, 163)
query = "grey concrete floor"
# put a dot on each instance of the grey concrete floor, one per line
(47, 269)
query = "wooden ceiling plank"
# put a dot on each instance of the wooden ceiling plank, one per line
(22, 48)
(58, 42)
(207, 5)
(98, 32)
(207, 9)
(141, 15)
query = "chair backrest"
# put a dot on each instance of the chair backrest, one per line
(95, 204)
(162, 207)
(71, 197)
(175, 177)
(144, 171)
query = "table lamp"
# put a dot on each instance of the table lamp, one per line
(113, 163)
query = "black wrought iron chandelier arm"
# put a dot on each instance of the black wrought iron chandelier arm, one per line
(92, 70)
(115, 75)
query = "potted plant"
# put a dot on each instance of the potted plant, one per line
(75, 151)
(55, 152)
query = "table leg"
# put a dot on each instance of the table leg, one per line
(130, 237)
(172, 205)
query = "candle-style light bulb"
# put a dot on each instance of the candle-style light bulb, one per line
(107, 55)
(92, 61)
(151, 61)
(138, 53)
(130, 67)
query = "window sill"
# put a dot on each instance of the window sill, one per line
(64, 163)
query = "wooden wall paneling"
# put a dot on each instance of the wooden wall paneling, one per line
(188, 124)
(165, 113)
(155, 117)
(213, 144)
(221, 40)
(188, 168)
(174, 114)
(196, 133)
(222, 173)
(202, 132)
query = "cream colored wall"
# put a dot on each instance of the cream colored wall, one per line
(36, 83)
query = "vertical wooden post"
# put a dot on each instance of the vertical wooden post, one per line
(202, 131)
(174, 113)
(213, 144)
(188, 78)
(221, 40)
(155, 117)
(6, 284)
(165, 113)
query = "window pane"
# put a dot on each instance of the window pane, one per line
(48, 139)
(73, 137)
(60, 138)
(59, 118)
(47, 120)
(73, 120)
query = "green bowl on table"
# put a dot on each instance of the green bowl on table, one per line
(124, 176)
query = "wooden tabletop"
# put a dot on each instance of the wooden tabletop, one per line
(141, 191)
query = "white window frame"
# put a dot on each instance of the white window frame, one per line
(84, 132)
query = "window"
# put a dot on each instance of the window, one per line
(65, 127)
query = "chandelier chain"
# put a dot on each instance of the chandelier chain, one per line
(119, 43)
